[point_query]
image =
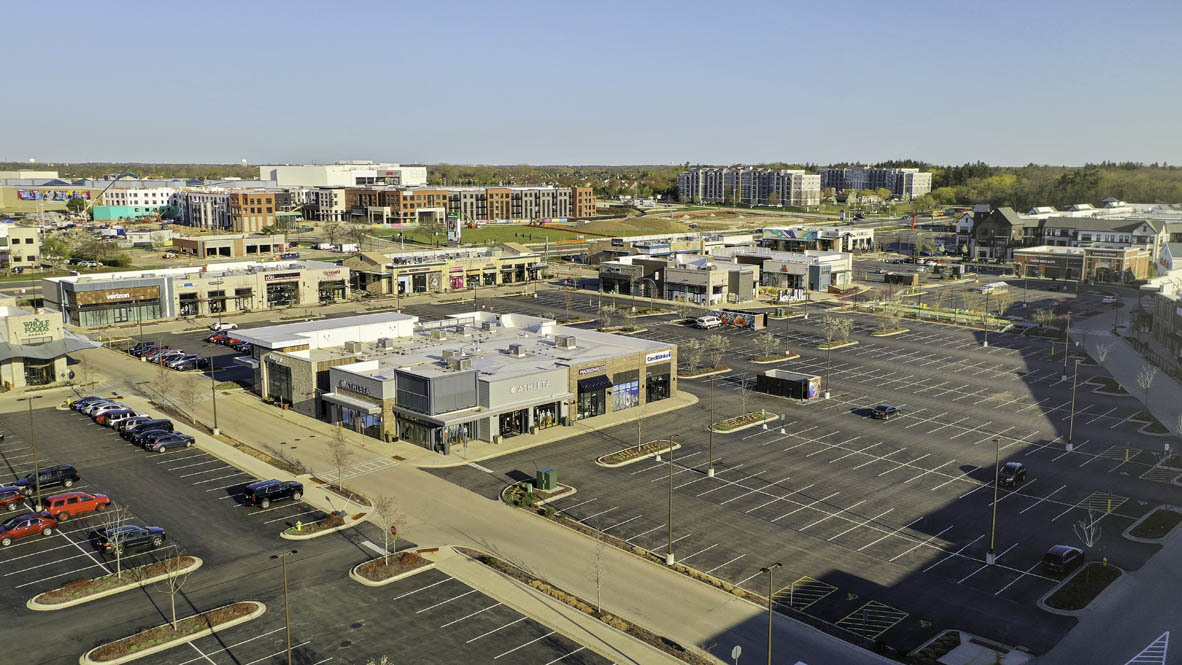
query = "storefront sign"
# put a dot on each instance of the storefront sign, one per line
(658, 356)
(531, 386)
(104, 296)
(36, 327)
(592, 369)
(331, 272)
(281, 277)
(118, 296)
(352, 387)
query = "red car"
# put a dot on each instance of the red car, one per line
(26, 525)
(64, 506)
(11, 497)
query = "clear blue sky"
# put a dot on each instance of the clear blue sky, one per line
(608, 82)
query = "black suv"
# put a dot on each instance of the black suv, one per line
(146, 426)
(263, 492)
(1062, 559)
(130, 537)
(64, 475)
(1011, 474)
(141, 348)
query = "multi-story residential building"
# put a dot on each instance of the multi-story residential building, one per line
(903, 183)
(134, 202)
(750, 186)
(251, 211)
(20, 246)
(207, 210)
(326, 204)
(345, 174)
(394, 205)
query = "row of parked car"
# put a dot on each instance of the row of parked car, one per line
(165, 355)
(154, 434)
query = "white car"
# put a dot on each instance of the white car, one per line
(223, 325)
(707, 322)
(1108, 300)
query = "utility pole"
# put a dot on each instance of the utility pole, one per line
(213, 395)
(36, 459)
(989, 556)
(1071, 425)
(286, 608)
(669, 553)
(770, 592)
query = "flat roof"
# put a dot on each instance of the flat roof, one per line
(294, 334)
(198, 272)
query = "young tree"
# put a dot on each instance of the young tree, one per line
(745, 388)
(692, 352)
(568, 297)
(385, 509)
(174, 578)
(332, 230)
(716, 348)
(1043, 317)
(606, 314)
(111, 525)
(773, 199)
(357, 233)
(830, 326)
(1002, 301)
(163, 382)
(1102, 351)
(597, 561)
(1145, 379)
(339, 452)
(766, 342)
(1088, 529)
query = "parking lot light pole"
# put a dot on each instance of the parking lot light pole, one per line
(669, 553)
(1071, 424)
(989, 556)
(286, 611)
(213, 395)
(710, 427)
(1066, 344)
(770, 591)
(985, 320)
(140, 318)
(33, 439)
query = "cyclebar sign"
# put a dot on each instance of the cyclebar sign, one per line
(282, 277)
(658, 356)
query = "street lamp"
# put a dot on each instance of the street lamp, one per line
(669, 553)
(1066, 344)
(710, 427)
(33, 438)
(213, 394)
(286, 612)
(769, 570)
(989, 556)
(985, 320)
(1071, 425)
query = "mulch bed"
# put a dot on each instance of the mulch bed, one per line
(931, 654)
(1158, 524)
(89, 586)
(330, 522)
(776, 356)
(739, 421)
(154, 636)
(643, 634)
(385, 568)
(343, 492)
(650, 448)
(1084, 587)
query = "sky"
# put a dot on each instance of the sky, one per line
(608, 82)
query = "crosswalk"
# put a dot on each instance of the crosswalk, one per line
(1155, 653)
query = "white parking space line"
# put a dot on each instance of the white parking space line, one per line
(280, 652)
(674, 542)
(515, 621)
(1024, 574)
(578, 504)
(882, 458)
(832, 515)
(889, 534)
(707, 549)
(779, 498)
(173, 459)
(803, 506)
(201, 473)
(963, 476)
(469, 616)
(903, 464)
(961, 580)
(236, 644)
(522, 646)
(563, 657)
(444, 602)
(644, 533)
(584, 520)
(195, 648)
(925, 542)
(621, 523)
(410, 593)
(725, 564)
(187, 466)
(927, 471)
(956, 553)
(858, 526)
(214, 480)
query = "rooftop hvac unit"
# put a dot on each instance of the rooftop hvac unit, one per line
(353, 347)
(448, 354)
(564, 341)
(487, 326)
(385, 343)
(459, 363)
(517, 350)
(438, 335)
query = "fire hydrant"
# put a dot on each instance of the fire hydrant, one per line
(299, 526)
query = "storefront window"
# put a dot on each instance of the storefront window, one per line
(188, 303)
(102, 315)
(458, 434)
(415, 432)
(332, 290)
(38, 372)
(279, 382)
(283, 294)
(546, 415)
(625, 395)
(217, 301)
(514, 423)
(658, 388)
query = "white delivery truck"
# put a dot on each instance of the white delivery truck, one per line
(324, 245)
(349, 248)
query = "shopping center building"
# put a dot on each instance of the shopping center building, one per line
(33, 347)
(102, 299)
(473, 376)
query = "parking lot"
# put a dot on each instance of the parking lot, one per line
(883, 527)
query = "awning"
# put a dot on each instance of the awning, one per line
(249, 361)
(595, 383)
(48, 350)
(353, 403)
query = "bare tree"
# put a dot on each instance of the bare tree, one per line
(1088, 529)
(332, 230)
(163, 381)
(1043, 317)
(339, 452)
(745, 388)
(111, 528)
(186, 393)
(844, 327)
(174, 578)
(766, 342)
(830, 326)
(385, 509)
(597, 562)
(1145, 379)
(692, 352)
(606, 314)
(716, 348)
(568, 298)
(1102, 351)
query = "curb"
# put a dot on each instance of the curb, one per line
(84, 659)
(32, 603)
(1127, 533)
(540, 502)
(349, 524)
(835, 347)
(356, 577)
(704, 375)
(610, 465)
(791, 356)
(891, 333)
(1042, 604)
(769, 419)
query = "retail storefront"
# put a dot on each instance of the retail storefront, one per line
(107, 307)
(592, 385)
(33, 348)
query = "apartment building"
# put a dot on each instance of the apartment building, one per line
(750, 186)
(344, 174)
(390, 205)
(20, 246)
(904, 183)
(326, 204)
(251, 211)
(135, 202)
(206, 210)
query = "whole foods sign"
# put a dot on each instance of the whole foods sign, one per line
(36, 327)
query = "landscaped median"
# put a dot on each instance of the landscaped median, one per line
(398, 566)
(634, 454)
(839, 344)
(775, 358)
(88, 589)
(161, 638)
(888, 333)
(1075, 593)
(1155, 525)
(322, 527)
(525, 495)
(743, 422)
(702, 372)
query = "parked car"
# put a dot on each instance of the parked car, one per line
(264, 492)
(175, 362)
(140, 348)
(1062, 559)
(131, 423)
(96, 405)
(155, 423)
(290, 255)
(151, 355)
(1108, 300)
(64, 475)
(72, 504)
(230, 341)
(216, 337)
(195, 362)
(142, 437)
(18, 270)
(105, 409)
(171, 440)
(886, 412)
(26, 525)
(168, 356)
(1011, 474)
(81, 402)
(105, 418)
(707, 322)
(223, 325)
(129, 537)
(11, 497)
(241, 347)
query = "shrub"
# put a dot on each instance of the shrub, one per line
(550, 511)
